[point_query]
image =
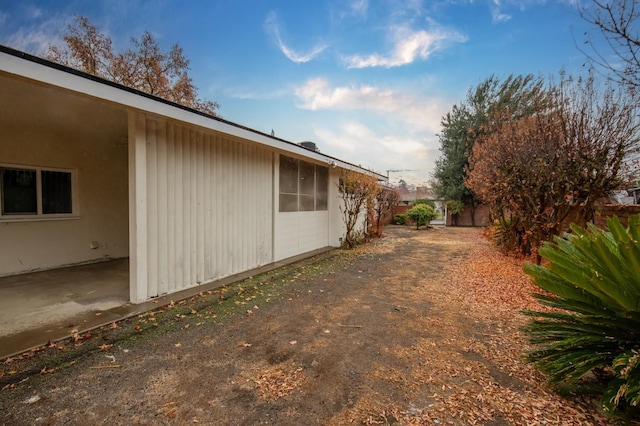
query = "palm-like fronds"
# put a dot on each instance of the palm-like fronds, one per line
(593, 281)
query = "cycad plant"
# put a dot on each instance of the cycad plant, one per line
(592, 282)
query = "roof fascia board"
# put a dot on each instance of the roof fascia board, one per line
(56, 75)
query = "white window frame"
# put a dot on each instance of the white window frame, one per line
(40, 216)
(298, 194)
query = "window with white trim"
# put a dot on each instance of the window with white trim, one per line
(303, 186)
(36, 192)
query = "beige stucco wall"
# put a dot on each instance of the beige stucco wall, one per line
(63, 135)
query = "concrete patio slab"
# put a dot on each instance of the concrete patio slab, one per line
(44, 306)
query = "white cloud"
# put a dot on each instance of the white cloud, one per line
(358, 7)
(242, 93)
(34, 12)
(37, 36)
(408, 46)
(380, 151)
(33, 40)
(496, 15)
(377, 128)
(271, 26)
(421, 112)
(342, 10)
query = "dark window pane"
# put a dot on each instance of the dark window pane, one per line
(288, 175)
(306, 203)
(288, 202)
(307, 178)
(322, 187)
(56, 192)
(19, 191)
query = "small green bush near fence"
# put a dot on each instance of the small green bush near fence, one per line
(400, 219)
(421, 215)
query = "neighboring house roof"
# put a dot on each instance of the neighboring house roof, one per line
(32, 67)
(418, 194)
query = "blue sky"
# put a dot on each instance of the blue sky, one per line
(367, 80)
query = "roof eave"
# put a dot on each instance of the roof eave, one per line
(31, 67)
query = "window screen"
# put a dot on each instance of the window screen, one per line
(322, 187)
(307, 186)
(288, 184)
(303, 186)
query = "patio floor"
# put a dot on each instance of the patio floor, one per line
(46, 306)
(39, 306)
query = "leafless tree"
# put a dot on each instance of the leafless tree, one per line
(618, 22)
(357, 192)
(385, 200)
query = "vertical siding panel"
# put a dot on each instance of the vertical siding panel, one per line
(200, 235)
(255, 176)
(193, 205)
(222, 209)
(228, 178)
(186, 206)
(248, 169)
(241, 201)
(215, 217)
(268, 213)
(270, 225)
(233, 184)
(208, 237)
(162, 229)
(267, 218)
(212, 207)
(224, 205)
(179, 210)
(220, 216)
(264, 178)
(152, 211)
(138, 229)
(171, 209)
(215, 230)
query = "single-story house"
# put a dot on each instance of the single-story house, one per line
(409, 196)
(91, 170)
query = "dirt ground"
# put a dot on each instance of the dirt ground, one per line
(420, 327)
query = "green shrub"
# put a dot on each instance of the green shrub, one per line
(593, 278)
(421, 215)
(430, 203)
(455, 206)
(400, 219)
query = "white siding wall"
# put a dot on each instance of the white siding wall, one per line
(203, 204)
(336, 223)
(300, 232)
